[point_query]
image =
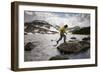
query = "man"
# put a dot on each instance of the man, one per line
(62, 31)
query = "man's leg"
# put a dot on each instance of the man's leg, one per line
(59, 38)
(64, 38)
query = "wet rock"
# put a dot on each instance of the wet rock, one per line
(29, 46)
(59, 57)
(73, 47)
(73, 37)
(69, 47)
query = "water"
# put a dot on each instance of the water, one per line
(45, 48)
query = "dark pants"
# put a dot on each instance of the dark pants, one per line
(62, 35)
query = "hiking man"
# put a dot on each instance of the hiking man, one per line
(62, 31)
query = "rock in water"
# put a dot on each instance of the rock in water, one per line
(73, 47)
(29, 46)
(59, 57)
(70, 47)
(73, 37)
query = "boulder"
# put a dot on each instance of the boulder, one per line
(72, 47)
(29, 46)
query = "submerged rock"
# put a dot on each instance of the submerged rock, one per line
(29, 46)
(59, 57)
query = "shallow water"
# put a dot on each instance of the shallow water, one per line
(45, 48)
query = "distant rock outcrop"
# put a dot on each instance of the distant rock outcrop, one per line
(38, 26)
(84, 30)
